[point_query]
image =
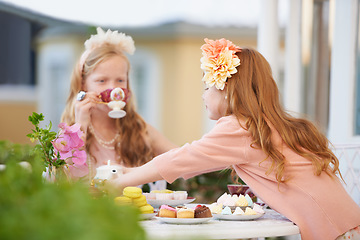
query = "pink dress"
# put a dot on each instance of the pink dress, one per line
(318, 205)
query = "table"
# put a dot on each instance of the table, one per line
(272, 224)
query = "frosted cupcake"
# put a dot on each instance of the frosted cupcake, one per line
(180, 195)
(164, 196)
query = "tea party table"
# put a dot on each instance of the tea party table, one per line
(272, 224)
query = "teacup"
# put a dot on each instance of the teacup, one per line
(116, 100)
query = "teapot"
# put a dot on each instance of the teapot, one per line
(106, 172)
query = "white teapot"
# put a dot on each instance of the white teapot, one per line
(107, 172)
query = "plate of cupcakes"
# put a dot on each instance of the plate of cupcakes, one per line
(184, 215)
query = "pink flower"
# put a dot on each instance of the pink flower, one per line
(70, 138)
(68, 145)
(79, 157)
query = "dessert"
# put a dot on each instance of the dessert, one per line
(180, 195)
(139, 201)
(150, 195)
(230, 201)
(146, 209)
(226, 211)
(202, 211)
(216, 208)
(132, 192)
(164, 196)
(250, 211)
(257, 208)
(248, 198)
(162, 191)
(167, 211)
(122, 200)
(238, 211)
(223, 198)
(242, 201)
(133, 195)
(177, 208)
(185, 212)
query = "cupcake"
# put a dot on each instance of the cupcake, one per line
(202, 211)
(226, 211)
(164, 196)
(150, 195)
(216, 208)
(238, 211)
(250, 211)
(242, 201)
(180, 195)
(185, 212)
(257, 208)
(167, 211)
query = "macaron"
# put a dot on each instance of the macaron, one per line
(140, 201)
(146, 209)
(132, 192)
(123, 200)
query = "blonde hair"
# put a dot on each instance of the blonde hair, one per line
(132, 146)
(253, 95)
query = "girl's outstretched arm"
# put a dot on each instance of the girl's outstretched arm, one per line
(137, 176)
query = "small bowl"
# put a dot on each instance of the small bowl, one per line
(239, 189)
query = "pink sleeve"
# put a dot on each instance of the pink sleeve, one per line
(225, 145)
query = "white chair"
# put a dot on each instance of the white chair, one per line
(349, 158)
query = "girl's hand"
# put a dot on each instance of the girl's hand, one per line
(83, 109)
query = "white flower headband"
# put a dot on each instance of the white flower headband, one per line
(219, 61)
(118, 40)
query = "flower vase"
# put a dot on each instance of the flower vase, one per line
(56, 174)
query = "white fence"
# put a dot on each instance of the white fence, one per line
(349, 157)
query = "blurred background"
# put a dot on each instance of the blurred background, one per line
(312, 47)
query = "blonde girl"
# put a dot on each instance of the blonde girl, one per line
(128, 141)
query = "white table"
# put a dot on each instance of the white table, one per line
(272, 224)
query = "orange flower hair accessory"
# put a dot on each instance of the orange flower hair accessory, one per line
(219, 61)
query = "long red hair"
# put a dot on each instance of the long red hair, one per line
(253, 95)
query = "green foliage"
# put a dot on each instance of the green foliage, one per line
(33, 209)
(18, 152)
(45, 137)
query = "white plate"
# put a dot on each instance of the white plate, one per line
(237, 217)
(158, 203)
(183, 220)
(146, 216)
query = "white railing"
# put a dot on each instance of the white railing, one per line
(349, 157)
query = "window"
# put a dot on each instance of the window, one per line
(17, 57)
(357, 77)
(144, 81)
